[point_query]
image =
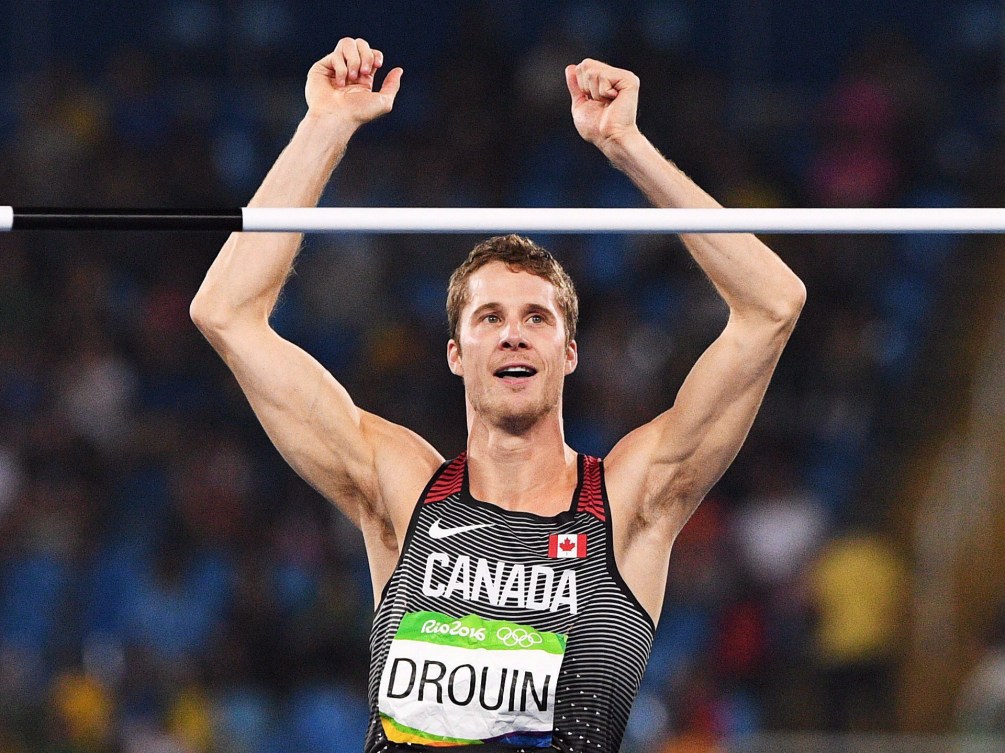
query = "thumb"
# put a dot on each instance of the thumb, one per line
(392, 82)
(573, 83)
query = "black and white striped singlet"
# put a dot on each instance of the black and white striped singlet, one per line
(506, 631)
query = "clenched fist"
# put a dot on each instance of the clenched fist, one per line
(341, 83)
(604, 101)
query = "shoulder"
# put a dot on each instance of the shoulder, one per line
(645, 486)
(403, 463)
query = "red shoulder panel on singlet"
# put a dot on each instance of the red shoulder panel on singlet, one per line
(449, 482)
(591, 500)
(591, 496)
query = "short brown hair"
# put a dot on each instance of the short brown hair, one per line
(517, 253)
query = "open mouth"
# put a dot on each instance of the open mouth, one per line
(516, 372)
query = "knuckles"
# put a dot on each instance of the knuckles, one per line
(596, 70)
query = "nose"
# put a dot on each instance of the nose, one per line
(511, 337)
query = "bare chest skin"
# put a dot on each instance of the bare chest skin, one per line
(546, 500)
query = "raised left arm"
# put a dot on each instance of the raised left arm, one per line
(662, 470)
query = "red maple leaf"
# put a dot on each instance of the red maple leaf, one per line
(567, 545)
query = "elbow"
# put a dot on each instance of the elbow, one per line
(779, 310)
(222, 323)
(205, 315)
(793, 300)
(212, 316)
(774, 306)
(787, 302)
(213, 323)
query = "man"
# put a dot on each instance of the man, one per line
(507, 616)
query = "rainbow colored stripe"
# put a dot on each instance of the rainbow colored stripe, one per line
(399, 733)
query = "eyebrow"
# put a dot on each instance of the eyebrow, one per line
(483, 307)
(528, 308)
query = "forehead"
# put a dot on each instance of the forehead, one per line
(497, 283)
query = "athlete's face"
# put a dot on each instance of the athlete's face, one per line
(512, 352)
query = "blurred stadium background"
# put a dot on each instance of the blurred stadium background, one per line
(168, 586)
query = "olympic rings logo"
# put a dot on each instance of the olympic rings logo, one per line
(519, 637)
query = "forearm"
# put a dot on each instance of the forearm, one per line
(248, 274)
(749, 276)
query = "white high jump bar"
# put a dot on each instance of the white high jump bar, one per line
(527, 220)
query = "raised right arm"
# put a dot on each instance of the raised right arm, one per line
(370, 468)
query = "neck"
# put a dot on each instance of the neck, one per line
(534, 471)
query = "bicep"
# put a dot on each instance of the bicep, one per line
(311, 419)
(679, 455)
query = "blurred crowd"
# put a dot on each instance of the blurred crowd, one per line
(167, 585)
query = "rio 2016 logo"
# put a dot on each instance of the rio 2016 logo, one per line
(453, 628)
(518, 637)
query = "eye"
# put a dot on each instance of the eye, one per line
(491, 318)
(537, 319)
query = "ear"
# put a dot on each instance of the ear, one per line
(571, 357)
(454, 358)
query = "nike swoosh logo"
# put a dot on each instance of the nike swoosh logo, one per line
(436, 531)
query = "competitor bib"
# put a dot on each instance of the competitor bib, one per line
(451, 682)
